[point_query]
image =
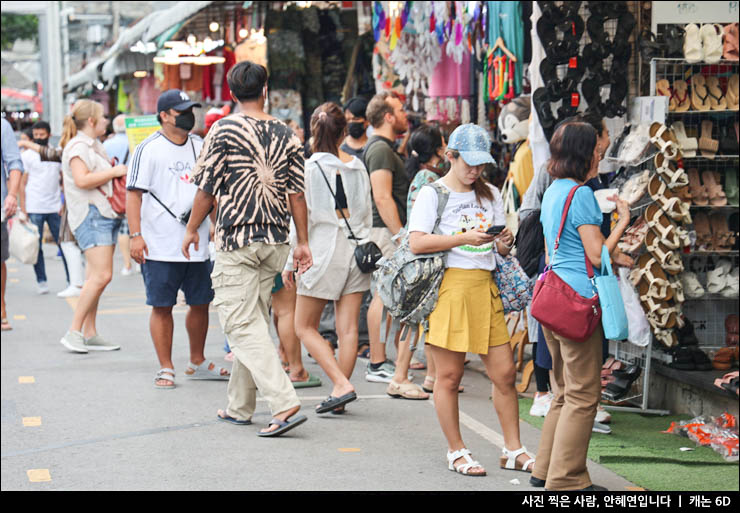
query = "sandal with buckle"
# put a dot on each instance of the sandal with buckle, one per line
(650, 278)
(663, 227)
(664, 139)
(674, 176)
(668, 201)
(510, 461)
(464, 468)
(165, 374)
(669, 260)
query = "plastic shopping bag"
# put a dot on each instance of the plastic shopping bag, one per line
(24, 241)
(639, 329)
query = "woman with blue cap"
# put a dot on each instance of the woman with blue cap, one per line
(469, 316)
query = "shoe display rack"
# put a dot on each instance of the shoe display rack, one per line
(711, 132)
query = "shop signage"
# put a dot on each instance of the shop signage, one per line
(139, 128)
(693, 12)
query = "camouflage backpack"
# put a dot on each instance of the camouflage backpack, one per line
(408, 284)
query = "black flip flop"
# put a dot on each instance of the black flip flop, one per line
(335, 402)
(285, 426)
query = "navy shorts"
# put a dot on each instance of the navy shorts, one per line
(164, 279)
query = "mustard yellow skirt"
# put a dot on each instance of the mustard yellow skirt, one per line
(469, 316)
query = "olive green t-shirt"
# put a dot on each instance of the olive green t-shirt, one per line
(380, 155)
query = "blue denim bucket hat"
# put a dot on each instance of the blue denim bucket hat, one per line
(473, 144)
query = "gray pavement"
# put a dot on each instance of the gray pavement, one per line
(96, 422)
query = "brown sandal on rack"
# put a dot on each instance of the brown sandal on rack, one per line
(717, 196)
(670, 203)
(662, 226)
(721, 233)
(674, 176)
(703, 232)
(651, 279)
(669, 260)
(699, 194)
(707, 145)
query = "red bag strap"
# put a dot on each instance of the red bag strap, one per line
(566, 208)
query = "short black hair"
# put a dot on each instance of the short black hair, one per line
(38, 125)
(247, 80)
(357, 106)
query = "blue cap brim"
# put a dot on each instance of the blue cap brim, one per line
(476, 158)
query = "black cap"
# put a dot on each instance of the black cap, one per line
(175, 99)
(357, 106)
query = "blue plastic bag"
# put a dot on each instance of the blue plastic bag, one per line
(613, 314)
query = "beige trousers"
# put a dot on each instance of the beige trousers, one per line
(242, 282)
(576, 369)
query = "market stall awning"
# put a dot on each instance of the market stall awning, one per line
(118, 58)
(22, 99)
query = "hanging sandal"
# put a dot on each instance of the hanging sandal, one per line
(634, 236)
(509, 460)
(717, 98)
(707, 145)
(464, 468)
(668, 202)
(650, 279)
(674, 176)
(663, 227)
(677, 286)
(662, 137)
(165, 374)
(667, 338)
(669, 260)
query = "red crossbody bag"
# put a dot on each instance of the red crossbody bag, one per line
(557, 306)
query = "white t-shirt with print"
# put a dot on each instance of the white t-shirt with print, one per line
(163, 168)
(43, 190)
(462, 213)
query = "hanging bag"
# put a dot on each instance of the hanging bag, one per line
(613, 314)
(556, 305)
(510, 207)
(366, 255)
(24, 241)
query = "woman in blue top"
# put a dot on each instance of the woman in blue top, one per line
(561, 458)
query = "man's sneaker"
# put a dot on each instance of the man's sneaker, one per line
(42, 287)
(382, 374)
(74, 341)
(70, 291)
(602, 416)
(541, 405)
(98, 343)
(601, 428)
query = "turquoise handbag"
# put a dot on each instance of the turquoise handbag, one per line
(613, 314)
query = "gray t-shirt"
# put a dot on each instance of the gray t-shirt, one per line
(379, 154)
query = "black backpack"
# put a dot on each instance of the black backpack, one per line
(530, 243)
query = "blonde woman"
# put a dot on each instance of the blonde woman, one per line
(87, 173)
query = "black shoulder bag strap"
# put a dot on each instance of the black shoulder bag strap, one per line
(353, 237)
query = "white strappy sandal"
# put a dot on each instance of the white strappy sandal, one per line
(463, 468)
(509, 460)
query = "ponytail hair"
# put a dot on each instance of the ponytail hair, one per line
(327, 128)
(481, 186)
(423, 145)
(77, 118)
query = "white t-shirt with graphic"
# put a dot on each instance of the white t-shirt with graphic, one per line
(162, 168)
(462, 213)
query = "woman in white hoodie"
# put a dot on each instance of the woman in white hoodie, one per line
(338, 196)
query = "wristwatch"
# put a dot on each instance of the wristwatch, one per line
(134, 235)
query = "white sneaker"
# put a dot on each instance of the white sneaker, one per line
(127, 272)
(603, 416)
(601, 428)
(541, 405)
(70, 291)
(98, 343)
(74, 341)
(42, 287)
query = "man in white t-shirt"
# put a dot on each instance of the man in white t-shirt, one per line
(41, 198)
(158, 205)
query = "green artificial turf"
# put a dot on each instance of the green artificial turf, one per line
(638, 451)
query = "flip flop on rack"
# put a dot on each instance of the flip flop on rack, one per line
(681, 94)
(717, 98)
(699, 93)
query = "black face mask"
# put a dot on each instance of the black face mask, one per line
(185, 120)
(42, 142)
(356, 130)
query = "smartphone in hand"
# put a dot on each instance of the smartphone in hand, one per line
(495, 230)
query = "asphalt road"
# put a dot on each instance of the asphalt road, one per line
(96, 422)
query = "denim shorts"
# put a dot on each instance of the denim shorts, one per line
(97, 230)
(163, 279)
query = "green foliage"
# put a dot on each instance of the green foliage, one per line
(18, 26)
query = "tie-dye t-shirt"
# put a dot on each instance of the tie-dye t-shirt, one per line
(462, 213)
(250, 165)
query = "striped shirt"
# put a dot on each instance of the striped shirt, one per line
(250, 165)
